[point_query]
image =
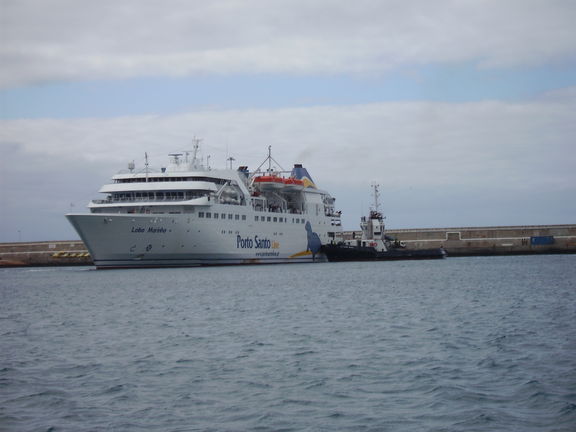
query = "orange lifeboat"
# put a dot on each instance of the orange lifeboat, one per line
(293, 184)
(269, 182)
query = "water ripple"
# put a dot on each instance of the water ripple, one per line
(467, 344)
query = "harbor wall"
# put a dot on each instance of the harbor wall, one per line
(502, 240)
(52, 253)
(465, 241)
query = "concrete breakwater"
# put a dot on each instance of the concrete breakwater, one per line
(468, 241)
(50, 253)
(501, 240)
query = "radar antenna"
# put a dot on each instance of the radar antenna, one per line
(230, 159)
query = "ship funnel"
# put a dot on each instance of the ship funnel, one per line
(301, 173)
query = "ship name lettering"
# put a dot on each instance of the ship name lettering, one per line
(262, 243)
(255, 243)
(156, 230)
(137, 229)
(244, 243)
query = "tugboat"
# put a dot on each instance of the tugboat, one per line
(375, 245)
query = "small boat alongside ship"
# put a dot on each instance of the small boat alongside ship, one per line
(375, 245)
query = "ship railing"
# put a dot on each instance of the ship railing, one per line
(272, 209)
(142, 199)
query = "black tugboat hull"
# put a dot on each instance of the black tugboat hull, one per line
(336, 253)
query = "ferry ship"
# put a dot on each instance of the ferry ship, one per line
(187, 214)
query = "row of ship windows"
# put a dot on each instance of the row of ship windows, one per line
(238, 232)
(156, 195)
(209, 215)
(277, 219)
(169, 179)
(230, 216)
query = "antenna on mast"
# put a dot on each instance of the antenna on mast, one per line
(146, 159)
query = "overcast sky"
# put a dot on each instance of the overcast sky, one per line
(463, 111)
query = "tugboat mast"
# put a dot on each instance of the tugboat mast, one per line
(376, 195)
(375, 210)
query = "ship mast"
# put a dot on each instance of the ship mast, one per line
(146, 159)
(196, 144)
(376, 195)
(231, 159)
(270, 159)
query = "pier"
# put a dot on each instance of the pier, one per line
(485, 241)
(463, 241)
(46, 253)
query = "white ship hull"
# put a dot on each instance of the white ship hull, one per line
(128, 240)
(188, 215)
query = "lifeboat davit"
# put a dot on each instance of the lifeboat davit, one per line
(269, 182)
(293, 184)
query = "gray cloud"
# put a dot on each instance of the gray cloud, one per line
(70, 39)
(438, 163)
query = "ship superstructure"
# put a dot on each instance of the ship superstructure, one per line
(187, 214)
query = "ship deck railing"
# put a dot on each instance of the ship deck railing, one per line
(257, 208)
(133, 200)
(180, 199)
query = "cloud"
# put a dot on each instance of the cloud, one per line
(427, 156)
(401, 142)
(70, 40)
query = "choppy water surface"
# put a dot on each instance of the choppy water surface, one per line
(463, 344)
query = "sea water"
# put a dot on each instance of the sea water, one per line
(462, 344)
